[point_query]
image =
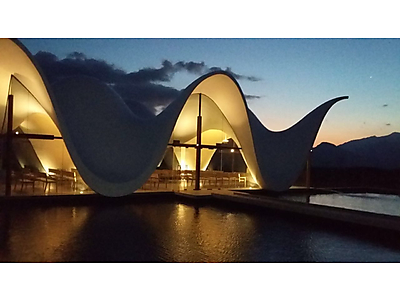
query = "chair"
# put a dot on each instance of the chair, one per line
(225, 177)
(163, 177)
(234, 178)
(219, 176)
(242, 179)
(187, 176)
(69, 177)
(47, 180)
(154, 179)
(25, 177)
(60, 176)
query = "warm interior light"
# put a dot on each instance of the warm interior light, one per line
(16, 132)
(232, 150)
(46, 169)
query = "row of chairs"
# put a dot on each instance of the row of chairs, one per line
(207, 178)
(28, 176)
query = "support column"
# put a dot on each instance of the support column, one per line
(8, 145)
(308, 171)
(198, 148)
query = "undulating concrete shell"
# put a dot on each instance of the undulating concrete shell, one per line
(116, 151)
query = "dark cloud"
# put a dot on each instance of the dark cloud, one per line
(168, 70)
(77, 64)
(137, 86)
(163, 74)
(142, 86)
(150, 94)
(385, 105)
(76, 55)
(388, 124)
(235, 75)
(251, 97)
(192, 67)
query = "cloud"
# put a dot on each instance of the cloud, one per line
(77, 55)
(192, 67)
(144, 85)
(235, 75)
(385, 105)
(163, 74)
(388, 124)
(169, 69)
(150, 94)
(251, 97)
(77, 63)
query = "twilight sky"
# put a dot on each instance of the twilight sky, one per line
(283, 78)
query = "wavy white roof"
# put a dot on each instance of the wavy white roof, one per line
(116, 151)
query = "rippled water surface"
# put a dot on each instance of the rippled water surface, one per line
(175, 232)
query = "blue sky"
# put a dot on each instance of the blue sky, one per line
(296, 75)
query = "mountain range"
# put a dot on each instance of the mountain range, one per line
(371, 152)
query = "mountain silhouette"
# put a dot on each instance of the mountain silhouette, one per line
(371, 152)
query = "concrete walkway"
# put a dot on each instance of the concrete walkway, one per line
(304, 208)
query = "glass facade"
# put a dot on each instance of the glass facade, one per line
(39, 160)
(40, 164)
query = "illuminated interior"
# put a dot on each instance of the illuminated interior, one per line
(215, 129)
(116, 151)
(33, 111)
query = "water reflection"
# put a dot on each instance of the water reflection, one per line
(200, 234)
(38, 234)
(377, 203)
(173, 232)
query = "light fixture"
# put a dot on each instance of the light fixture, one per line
(232, 150)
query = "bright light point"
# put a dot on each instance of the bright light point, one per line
(81, 192)
(16, 132)
(225, 141)
(232, 150)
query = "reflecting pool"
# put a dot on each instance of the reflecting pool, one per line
(377, 203)
(166, 231)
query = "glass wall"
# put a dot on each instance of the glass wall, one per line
(41, 165)
(221, 164)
